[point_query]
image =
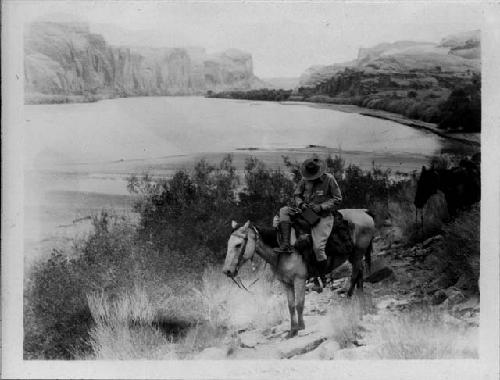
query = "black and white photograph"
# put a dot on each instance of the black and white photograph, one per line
(250, 188)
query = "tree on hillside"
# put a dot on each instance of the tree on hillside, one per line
(462, 110)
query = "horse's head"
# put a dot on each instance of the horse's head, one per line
(427, 186)
(240, 247)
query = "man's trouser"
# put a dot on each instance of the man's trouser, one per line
(319, 232)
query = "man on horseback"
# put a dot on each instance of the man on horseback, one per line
(318, 191)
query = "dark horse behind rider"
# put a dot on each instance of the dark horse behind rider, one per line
(461, 185)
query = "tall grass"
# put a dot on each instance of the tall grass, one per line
(128, 326)
(346, 319)
(425, 335)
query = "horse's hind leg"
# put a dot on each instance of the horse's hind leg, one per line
(356, 275)
(290, 294)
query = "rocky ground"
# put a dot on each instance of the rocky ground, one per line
(407, 292)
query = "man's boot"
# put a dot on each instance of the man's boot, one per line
(322, 268)
(286, 231)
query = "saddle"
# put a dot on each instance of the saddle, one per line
(339, 246)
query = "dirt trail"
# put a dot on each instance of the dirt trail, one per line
(404, 280)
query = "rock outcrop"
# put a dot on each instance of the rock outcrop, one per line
(456, 54)
(67, 59)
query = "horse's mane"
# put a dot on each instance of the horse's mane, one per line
(268, 235)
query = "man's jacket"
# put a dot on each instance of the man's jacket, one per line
(323, 191)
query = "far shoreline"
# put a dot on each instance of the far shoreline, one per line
(473, 139)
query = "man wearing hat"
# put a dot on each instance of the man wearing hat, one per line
(319, 191)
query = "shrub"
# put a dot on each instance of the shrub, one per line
(57, 317)
(462, 109)
(57, 320)
(463, 247)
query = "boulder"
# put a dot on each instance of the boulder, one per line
(432, 240)
(300, 345)
(325, 351)
(466, 282)
(379, 271)
(213, 353)
(342, 271)
(432, 261)
(250, 339)
(444, 281)
(454, 296)
(469, 306)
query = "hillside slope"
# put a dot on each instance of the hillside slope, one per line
(458, 54)
(433, 82)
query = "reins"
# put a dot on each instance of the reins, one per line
(238, 281)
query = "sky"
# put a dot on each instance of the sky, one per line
(284, 37)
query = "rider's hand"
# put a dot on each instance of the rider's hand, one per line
(303, 206)
(276, 221)
(316, 208)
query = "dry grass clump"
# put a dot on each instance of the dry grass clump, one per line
(227, 305)
(425, 335)
(116, 341)
(346, 319)
(126, 326)
(419, 334)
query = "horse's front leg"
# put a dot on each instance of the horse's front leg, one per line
(290, 294)
(300, 296)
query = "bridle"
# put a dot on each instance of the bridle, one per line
(239, 281)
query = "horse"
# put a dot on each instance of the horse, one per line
(461, 186)
(291, 268)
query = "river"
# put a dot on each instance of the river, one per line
(77, 156)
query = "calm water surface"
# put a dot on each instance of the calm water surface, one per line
(124, 129)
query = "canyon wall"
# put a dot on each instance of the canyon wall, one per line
(67, 59)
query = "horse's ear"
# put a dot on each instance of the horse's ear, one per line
(247, 224)
(234, 224)
(424, 168)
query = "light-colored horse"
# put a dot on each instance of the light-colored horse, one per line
(291, 269)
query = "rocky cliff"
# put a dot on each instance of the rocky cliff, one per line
(456, 55)
(65, 59)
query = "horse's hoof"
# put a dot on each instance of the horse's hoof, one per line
(292, 333)
(301, 327)
(349, 294)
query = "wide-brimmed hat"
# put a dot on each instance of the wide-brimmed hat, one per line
(312, 168)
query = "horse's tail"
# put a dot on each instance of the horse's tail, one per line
(368, 256)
